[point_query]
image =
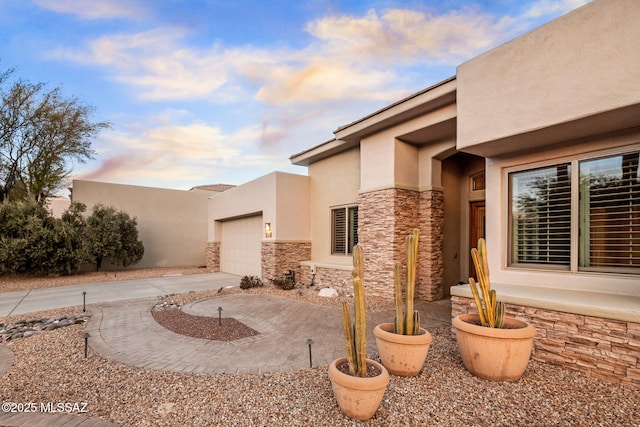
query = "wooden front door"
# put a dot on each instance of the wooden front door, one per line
(476, 231)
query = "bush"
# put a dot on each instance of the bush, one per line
(248, 282)
(31, 241)
(113, 234)
(286, 283)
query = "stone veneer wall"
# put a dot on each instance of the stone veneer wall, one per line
(213, 256)
(430, 283)
(605, 348)
(281, 256)
(385, 218)
(327, 277)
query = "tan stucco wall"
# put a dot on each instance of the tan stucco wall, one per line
(172, 224)
(498, 219)
(335, 181)
(282, 198)
(456, 173)
(582, 65)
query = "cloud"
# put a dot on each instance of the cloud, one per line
(401, 36)
(349, 57)
(155, 63)
(94, 9)
(552, 7)
(175, 155)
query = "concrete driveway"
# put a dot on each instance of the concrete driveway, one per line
(20, 302)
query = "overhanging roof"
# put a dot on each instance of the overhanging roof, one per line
(349, 136)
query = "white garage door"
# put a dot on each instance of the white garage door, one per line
(240, 246)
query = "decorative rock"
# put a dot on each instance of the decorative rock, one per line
(26, 328)
(328, 293)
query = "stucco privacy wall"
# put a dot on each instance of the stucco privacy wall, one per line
(172, 224)
(282, 199)
(575, 76)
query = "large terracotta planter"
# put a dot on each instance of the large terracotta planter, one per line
(359, 398)
(496, 354)
(402, 355)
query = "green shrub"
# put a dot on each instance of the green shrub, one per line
(33, 242)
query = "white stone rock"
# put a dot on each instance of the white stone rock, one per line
(328, 292)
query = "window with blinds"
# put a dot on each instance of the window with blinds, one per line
(344, 230)
(605, 220)
(541, 216)
(610, 213)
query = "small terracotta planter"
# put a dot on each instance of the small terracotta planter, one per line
(402, 355)
(496, 354)
(358, 397)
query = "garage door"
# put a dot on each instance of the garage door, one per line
(240, 246)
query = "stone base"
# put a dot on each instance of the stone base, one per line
(281, 256)
(327, 277)
(213, 257)
(604, 348)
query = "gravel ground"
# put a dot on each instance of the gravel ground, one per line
(51, 367)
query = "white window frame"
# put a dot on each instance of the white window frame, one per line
(574, 162)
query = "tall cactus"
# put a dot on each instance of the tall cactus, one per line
(490, 310)
(356, 335)
(407, 320)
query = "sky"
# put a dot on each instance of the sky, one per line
(224, 91)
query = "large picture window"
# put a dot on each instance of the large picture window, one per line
(589, 221)
(344, 230)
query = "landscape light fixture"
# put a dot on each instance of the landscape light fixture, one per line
(84, 301)
(86, 343)
(309, 342)
(220, 316)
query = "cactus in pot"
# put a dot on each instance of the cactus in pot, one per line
(492, 346)
(358, 383)
(407, 320)
(490, 310)
(403, 345)
(355, 334)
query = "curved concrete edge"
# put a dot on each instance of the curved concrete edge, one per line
(10, 419)
(6, 360)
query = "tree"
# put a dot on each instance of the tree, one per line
(33, 242)
(41, 132)
(113, 234)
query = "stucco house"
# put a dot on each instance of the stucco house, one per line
(534, 145)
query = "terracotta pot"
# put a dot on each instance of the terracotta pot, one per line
(496, 354)
(359, 398)
(402, 355)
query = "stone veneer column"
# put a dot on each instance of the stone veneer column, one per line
(430, 274)
(281, 256)
(385, 219)
(213, 256)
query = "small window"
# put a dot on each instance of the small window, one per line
(344, 230)
(477, 182)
